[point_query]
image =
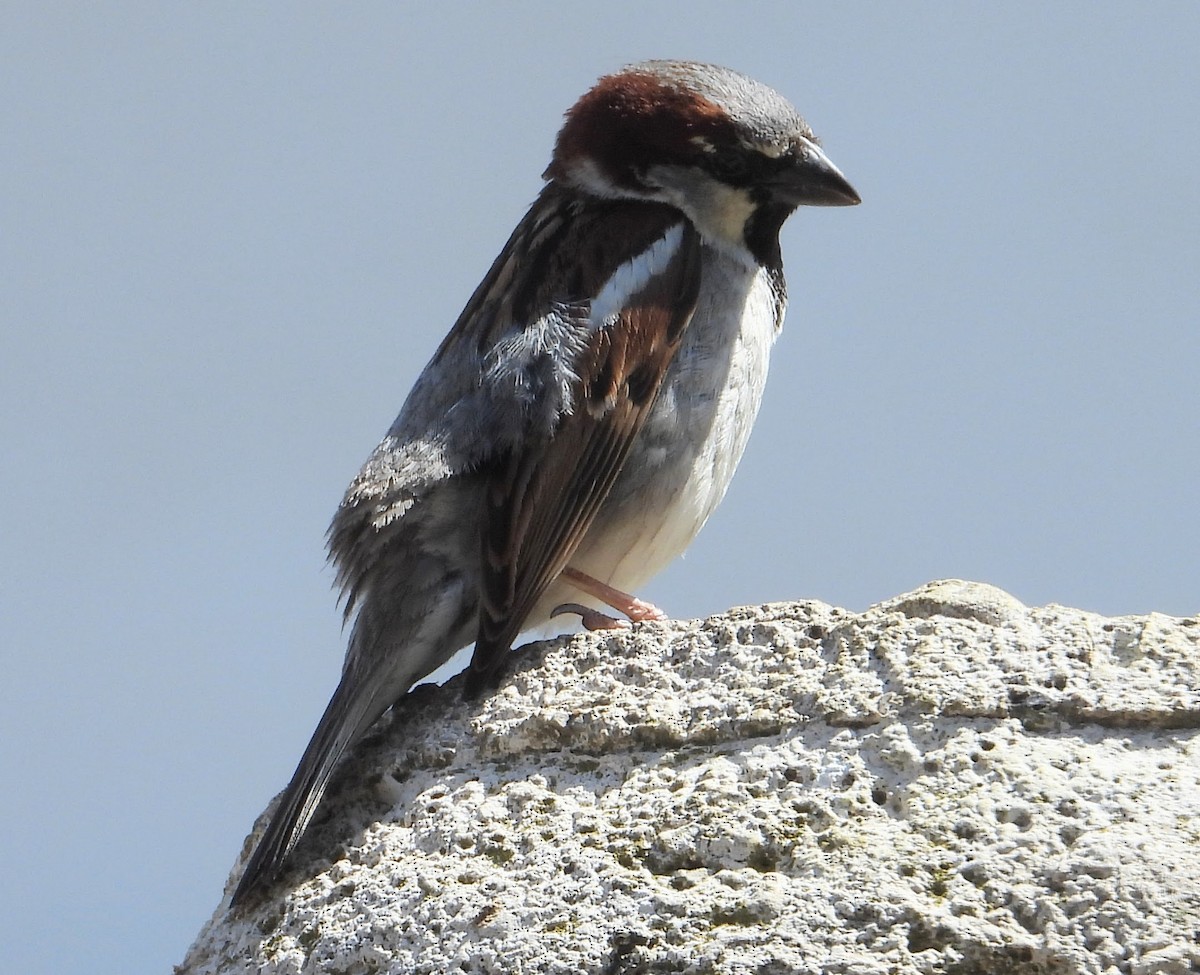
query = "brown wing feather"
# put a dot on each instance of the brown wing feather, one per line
(561, 251)
(542, 498)
(559, 255)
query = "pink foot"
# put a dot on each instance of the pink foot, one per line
(636, 609)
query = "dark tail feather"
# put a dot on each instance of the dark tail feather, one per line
(349, 713)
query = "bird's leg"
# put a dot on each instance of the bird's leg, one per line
(636, 609)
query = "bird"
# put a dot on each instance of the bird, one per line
(587, 410)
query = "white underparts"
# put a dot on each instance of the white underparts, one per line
(685, 455)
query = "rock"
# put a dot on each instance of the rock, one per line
(949, 782)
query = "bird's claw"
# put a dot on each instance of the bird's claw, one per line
(592, 619)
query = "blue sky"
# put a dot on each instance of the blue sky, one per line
(233, 234)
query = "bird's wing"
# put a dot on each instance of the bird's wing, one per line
(514, 385)
(545, 487)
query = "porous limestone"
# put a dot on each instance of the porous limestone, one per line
(949, 782)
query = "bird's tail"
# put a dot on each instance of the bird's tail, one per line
(350, 712)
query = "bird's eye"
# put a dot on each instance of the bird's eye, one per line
(731, 165)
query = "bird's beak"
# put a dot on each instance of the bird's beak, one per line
(815, 181)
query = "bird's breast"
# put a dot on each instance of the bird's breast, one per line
(684, 457)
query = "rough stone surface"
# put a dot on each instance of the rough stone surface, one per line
(949, 783)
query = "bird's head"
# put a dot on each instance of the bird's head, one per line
(732, 154)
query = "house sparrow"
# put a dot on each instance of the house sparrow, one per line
(585, 414)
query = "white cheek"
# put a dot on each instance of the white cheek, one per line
(718, 210)
(728, 209)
